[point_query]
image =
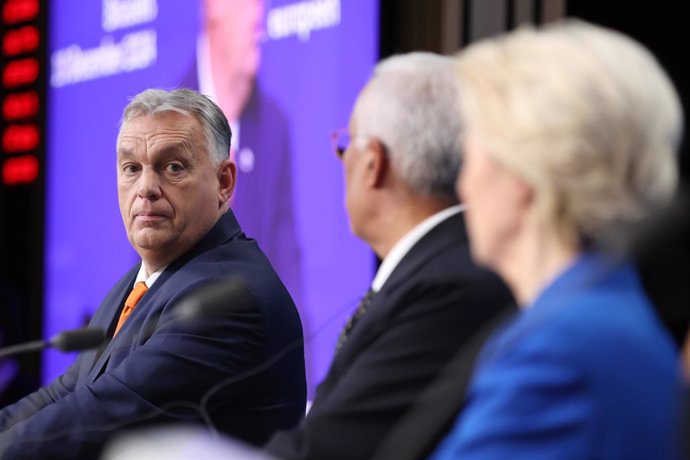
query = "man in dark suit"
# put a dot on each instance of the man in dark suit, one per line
(174, 184)
(427, 298)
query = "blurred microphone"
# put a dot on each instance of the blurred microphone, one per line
(227, 294)
(78, 339)
(71, 340)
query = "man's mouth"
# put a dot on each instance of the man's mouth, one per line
(149, 217)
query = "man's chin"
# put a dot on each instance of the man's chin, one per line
(151, 240)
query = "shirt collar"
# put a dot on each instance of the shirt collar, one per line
(141, 276)
(404, 244)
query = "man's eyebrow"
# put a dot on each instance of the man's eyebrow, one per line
(170, 148)
(124, 152)
(175, 147)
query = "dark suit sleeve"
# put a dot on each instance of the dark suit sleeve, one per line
(384, 378)
(163, 379)
(34, 402)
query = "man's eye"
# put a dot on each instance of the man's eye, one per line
(130, 168)
(174, 167)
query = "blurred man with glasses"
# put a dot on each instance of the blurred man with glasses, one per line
(400, 157)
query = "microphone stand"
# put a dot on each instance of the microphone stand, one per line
(36, 345)
(72, 340)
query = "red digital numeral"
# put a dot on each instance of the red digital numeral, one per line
(20, 138)
(20, 72)
(23, 40)
(16, 11)
(20, 105)
(20, 170)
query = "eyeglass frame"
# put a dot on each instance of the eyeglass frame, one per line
(343, 132)
(336, 135)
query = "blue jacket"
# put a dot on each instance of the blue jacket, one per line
(586, 372)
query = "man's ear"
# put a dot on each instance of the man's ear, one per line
(377, 163)
(523, 191)
(227, 179)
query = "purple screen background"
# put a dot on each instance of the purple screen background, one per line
(315, 80)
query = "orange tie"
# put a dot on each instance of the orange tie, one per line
(133, 299)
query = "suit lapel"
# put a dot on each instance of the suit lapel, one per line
(106, 318)
(226, 228)
(438, 240)
(446, 234)
(371, 325)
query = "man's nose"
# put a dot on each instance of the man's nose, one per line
(148, 185)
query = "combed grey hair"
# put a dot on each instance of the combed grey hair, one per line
(410, 106)
(189, 103)
(585, 115)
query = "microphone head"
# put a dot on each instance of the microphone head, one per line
(78, 339)
(227, 294)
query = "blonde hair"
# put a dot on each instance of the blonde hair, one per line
(583, 114)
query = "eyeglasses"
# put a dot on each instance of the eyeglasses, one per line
(340, 140)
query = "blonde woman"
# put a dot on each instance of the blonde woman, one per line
(571, 138)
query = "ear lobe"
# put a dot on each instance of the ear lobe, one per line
(377, 163)
(227, 176)
(524, 191)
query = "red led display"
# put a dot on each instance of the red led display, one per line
(16, 11)
(21, 91)
(20, 138)
(19, 106)
(23, 69)
(20, 72)
(23, 40)
(20, 170)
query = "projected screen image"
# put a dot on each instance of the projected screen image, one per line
(285, 72)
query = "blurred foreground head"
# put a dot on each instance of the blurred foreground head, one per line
(583, 117)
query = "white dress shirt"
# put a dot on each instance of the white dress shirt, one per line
(404, 244)
(141, 276)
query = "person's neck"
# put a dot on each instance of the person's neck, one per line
(398, 218)
(149, 270)
(232, 94)
(533, 262)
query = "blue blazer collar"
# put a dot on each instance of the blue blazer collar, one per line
(590, 271)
